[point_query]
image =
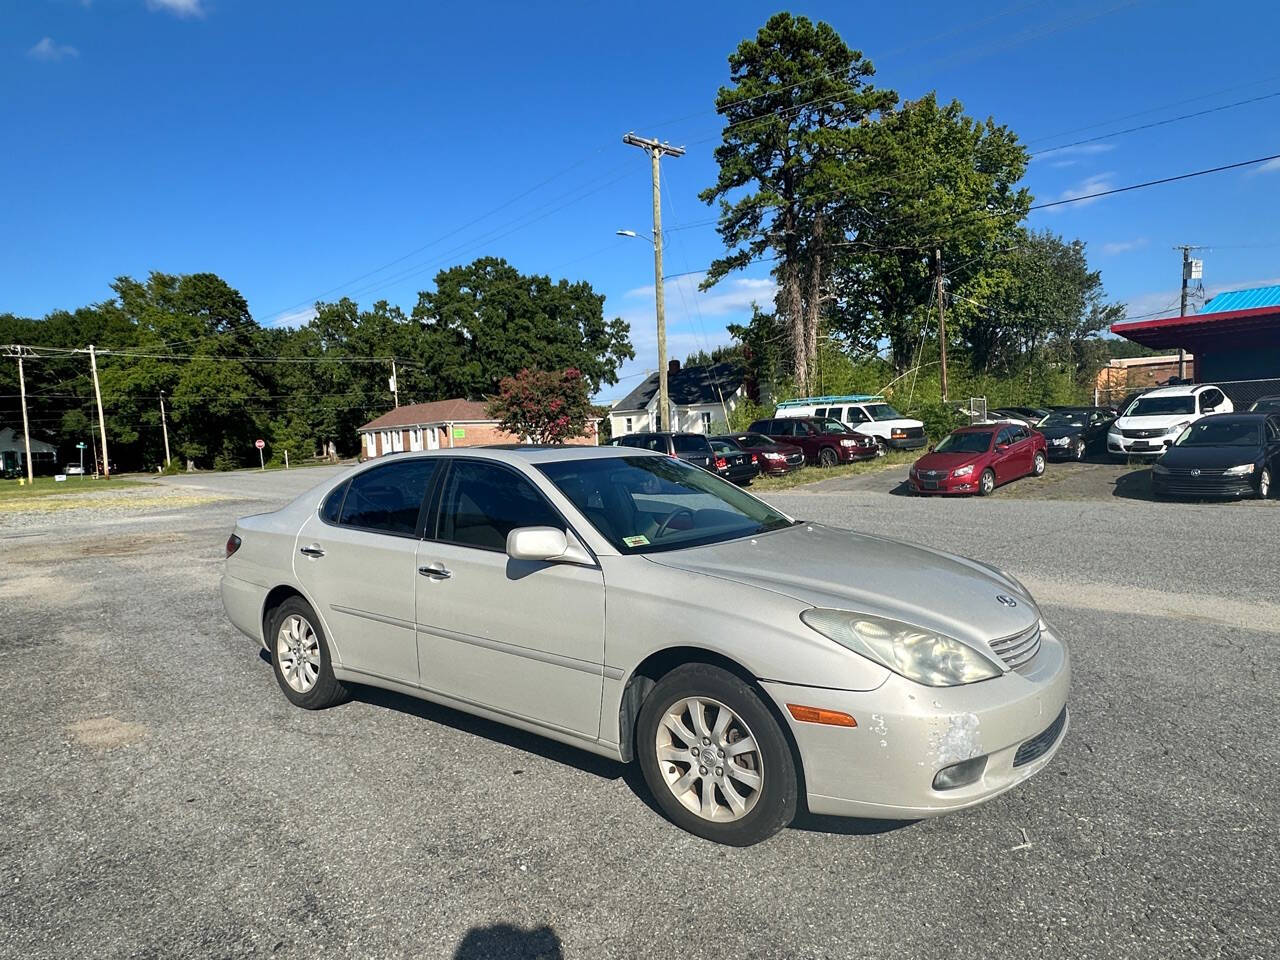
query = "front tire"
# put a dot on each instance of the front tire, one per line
(828, 457)
(715, 758)
(987, 483)
(1264, 483)
(1079, 451)
(300, 657)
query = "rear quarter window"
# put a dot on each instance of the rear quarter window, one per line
(331, 509)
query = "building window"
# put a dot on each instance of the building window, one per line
(706, 421)
(371, 444)
(627, 429)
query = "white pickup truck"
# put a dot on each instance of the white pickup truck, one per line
(865, 414)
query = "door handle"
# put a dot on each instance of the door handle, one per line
(312, 550)
(436, 571)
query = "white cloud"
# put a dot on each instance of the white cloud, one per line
(1061, 154)
(179, 8)
(1271, 166)
(293, 318)
(728, 296)
(1097, 183)
(1124, 246)
(48, 50)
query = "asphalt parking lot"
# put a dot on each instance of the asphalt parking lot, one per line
(161, 798)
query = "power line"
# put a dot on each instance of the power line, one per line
(1153, 183)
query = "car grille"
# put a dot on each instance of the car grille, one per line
(932, 474)
(913, 433)
(796, 459)
(1018, 650)
(1142, 434)
(1041, 743)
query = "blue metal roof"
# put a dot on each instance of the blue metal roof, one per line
(1251, 299)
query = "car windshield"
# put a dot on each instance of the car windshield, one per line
(647, 504)
(882, 411)
(832, 426)
(1162, 406)
(1266, 405)
(1222, 433)
(978, 442)
(1064, 418)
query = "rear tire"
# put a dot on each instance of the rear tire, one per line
(1037, 468)
(987, 483)
(708, 781)
(300, 657)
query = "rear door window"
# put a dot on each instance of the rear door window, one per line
(691, 444)
(387, 499)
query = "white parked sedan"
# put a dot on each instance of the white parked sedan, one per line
(643, 609)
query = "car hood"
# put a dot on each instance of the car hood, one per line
(902, 423)
(947, 461)
(1210, 458)
(1060, 430)
(839, 569)
(1153, 423)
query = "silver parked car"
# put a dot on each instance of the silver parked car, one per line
(644, 609)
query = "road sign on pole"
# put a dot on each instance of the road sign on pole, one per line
(260, 444)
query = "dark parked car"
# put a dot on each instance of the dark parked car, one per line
(1221, 455)
(733, 463)
(1028, 415)
(1265, 405)
(1073, 432)
(824, 442)
(975, 459)
(691, 447)
(775, 458)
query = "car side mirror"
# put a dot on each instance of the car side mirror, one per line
(545, 545)
(1001, 447)
(931, 447)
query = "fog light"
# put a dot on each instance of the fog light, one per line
(960, 774)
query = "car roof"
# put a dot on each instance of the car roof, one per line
(980, 428)
(1239, 415)
(1182, 390)
(530, 453)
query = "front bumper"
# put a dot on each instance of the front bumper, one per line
(1063, 452)
(1226, 488)
(858, 454)
(885, 766)
(906, 443)
(1128, 447)
(947, 485)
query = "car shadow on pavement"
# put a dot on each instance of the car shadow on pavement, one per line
(846, 826)
(505, 941)
(1134, 485)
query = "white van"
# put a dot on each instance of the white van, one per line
(1153, 421)
(865, 414)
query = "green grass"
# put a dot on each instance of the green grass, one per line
(48, 487)
(806, 475)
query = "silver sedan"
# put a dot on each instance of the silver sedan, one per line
(641, 608)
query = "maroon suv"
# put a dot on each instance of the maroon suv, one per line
(824, 442)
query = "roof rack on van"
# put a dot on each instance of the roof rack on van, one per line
(827, 401)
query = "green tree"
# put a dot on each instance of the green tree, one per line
(796, 110)
(544, 406)
(486, 321)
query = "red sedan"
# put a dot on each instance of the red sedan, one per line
(977, 459)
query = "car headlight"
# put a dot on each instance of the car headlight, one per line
(962, 471)
(1060, 441)
(1178, 428)
(918, 654)
(1244, 470)
(1159, 468)
(848, 443)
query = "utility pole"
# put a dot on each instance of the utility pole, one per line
(26, 430)
(942, 321)
(656, 151)
(164, 426)
(395, 384)
(1189, 267)
(102, 421)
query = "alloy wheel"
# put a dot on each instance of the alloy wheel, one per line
(1039, 465)
(298, 653)
(709, 759)
(1079, 449)
(1264, 483)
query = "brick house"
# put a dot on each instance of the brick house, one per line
(442, 423)
(1119, 378)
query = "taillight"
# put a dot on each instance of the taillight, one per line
(754, 459)
(721, 463)
(233, 544)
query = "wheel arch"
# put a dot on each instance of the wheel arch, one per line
(658, 664)
(276, 596)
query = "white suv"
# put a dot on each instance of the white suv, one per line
(1155, 419)
(868, 415)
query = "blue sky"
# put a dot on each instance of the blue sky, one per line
(295, 147)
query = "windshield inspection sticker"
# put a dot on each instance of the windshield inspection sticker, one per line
(637, 541)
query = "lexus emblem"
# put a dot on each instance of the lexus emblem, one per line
(1195, 472)
(1007, 601)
